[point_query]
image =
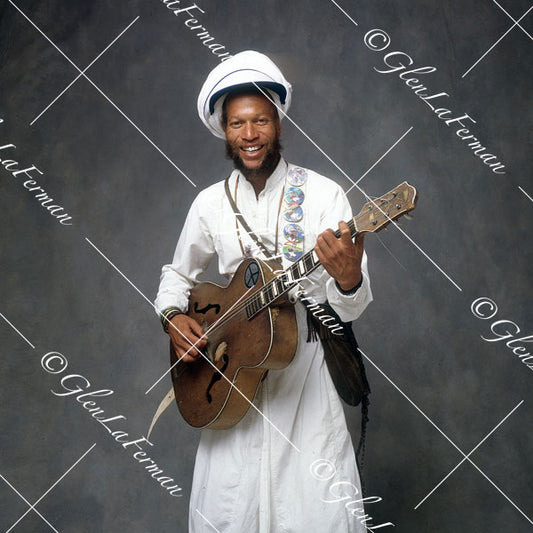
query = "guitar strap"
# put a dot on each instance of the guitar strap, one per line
(243, 222)
(341, 352)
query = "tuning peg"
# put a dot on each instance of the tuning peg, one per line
(408, 216)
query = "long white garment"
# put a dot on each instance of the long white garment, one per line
(291, 466)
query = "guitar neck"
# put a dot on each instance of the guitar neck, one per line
(374, 216)
(287, 279)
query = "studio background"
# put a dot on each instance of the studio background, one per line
(125, 154)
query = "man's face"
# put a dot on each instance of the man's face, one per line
(252, 134)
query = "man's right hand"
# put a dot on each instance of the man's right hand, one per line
(185, 331)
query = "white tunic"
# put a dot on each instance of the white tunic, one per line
(291, 467)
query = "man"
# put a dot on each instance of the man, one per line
(291, 466)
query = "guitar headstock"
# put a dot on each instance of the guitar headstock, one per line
(376, 214)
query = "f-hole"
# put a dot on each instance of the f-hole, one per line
(217, 375)
(204, 310)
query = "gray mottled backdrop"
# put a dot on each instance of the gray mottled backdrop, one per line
(122, 154)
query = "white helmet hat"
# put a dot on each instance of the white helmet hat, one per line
(245, 68)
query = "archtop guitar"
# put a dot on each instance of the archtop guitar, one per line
(251, 325)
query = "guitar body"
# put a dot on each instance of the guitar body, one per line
(240, 350)
(251, 325)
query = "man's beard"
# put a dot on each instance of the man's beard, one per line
(267, 166)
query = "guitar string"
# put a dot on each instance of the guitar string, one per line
(255, 297)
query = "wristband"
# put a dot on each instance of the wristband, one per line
(167, 315)
(352, 291)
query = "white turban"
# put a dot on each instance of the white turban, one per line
(244, 68)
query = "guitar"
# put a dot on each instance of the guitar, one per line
(251, 325)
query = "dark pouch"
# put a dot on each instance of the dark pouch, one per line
(344, 363)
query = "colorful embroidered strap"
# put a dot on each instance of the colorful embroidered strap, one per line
(294, 196)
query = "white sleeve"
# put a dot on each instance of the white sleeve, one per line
(194, 250)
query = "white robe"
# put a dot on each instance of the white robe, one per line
(291, 467)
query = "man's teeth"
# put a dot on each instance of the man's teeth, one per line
(251, 148)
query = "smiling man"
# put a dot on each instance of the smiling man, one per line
(280, 468)
(252, 131)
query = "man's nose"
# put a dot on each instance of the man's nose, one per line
(249, 132)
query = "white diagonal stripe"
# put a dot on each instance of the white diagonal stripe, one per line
(103, 94)
(84, 71)
(207, 521)
(515, 24)
(525, 193)
(468, 455)
(446, 436)
(32, 508)
(401, 138)
(523, 29)
(7, 531)
(17, 331)
(344, 12)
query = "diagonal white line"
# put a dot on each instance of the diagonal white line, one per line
(500, 491)
(525, 193)
(32, 508)
(152, 305)
(52, 487)
(84, 70)
(103, 94)
(119, 271)
(203, 355)
(427, 256)
(360, 190)
(17, 331)
(390, 252)
(346, 14)
(355, 184)
(468, 455)
(207, 521)
(305, 134)
(411, 401)
(515, 24)
(213, 325)
(523, 29)
(445, 436)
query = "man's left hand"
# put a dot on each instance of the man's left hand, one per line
(341, 257)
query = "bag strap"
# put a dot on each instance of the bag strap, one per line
(243, 222)
(345, 365)
(347, 333)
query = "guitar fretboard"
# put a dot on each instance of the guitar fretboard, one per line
(374, 216)
(287, 279)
